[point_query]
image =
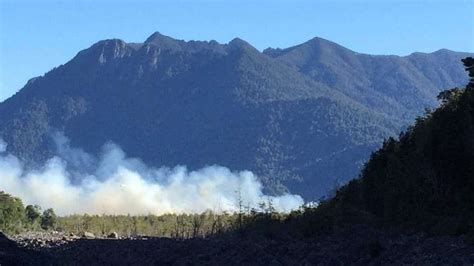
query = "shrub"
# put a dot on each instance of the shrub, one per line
(48, 219)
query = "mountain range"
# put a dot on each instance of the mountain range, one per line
(304, 118)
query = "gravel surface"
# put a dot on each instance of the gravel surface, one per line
(360, 246)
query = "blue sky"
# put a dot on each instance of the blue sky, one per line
(36, 36)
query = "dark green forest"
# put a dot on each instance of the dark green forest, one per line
(302, 119)
(421, 181)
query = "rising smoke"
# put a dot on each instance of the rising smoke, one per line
(77, 182)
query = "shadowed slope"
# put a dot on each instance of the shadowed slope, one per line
(173, 102)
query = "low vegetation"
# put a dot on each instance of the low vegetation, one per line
(16, 218)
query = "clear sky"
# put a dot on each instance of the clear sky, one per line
(36, 36)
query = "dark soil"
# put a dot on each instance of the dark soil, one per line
(359, 246)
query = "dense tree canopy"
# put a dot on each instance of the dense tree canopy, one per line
(425, 179)
(11, 213)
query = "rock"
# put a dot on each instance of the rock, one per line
(72, 234)
(12, 253)
(113, 235)
(88, 235)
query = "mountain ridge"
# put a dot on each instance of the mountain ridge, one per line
(196, 103)
(267, 51)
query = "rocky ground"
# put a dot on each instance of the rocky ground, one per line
(359, 246)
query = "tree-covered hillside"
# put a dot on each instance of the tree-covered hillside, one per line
(171, 102)
(397, 86)
(425, 179)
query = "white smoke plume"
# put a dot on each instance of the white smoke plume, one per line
(115, 184)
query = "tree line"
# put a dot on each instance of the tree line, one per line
(14, 217)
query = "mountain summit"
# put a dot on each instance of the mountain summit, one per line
(302, 118)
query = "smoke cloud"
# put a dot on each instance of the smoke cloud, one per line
(75, 182)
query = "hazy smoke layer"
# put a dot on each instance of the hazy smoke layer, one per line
(76, 182)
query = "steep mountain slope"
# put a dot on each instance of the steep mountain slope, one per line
(172, 102)
(400, 87)
(425, 179)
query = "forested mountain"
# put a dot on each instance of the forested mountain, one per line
(400, 87)
(301, 118)
(424, 180)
